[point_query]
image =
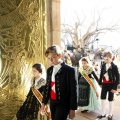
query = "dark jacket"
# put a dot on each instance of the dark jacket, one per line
(65, 86)
(77, 55)
(112, 73)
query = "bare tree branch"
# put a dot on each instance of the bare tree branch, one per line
(93, 30)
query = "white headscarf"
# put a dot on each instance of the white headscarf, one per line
(89, 69)
(43, 80)
(43, 71)
(89, 62)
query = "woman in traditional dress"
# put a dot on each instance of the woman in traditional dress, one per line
(29, 109)
(88, 87)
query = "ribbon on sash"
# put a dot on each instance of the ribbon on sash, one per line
(39, 97)
(89, 81)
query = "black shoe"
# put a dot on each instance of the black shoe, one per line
(84, 111)
(100, 116)
(110, 117)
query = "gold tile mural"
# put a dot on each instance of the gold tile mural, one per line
(22, 43)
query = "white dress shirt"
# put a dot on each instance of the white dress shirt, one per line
(55, 70)
(106, 74)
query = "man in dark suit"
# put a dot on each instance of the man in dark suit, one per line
(61, 86)
(109, 79)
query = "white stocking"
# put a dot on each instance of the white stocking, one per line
(111, 104)
(103, 104)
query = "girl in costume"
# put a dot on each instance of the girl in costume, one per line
(29, 109)
(88, 86)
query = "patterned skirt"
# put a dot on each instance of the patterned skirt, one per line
(84, 92)
(29, 109)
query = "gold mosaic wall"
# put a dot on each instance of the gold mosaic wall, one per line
(22, 43)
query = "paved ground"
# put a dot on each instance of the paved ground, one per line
(92, 115)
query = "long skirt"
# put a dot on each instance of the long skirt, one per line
(94, 102)
(84, 92)
(39, 117)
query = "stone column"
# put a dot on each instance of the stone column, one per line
(53, 22)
